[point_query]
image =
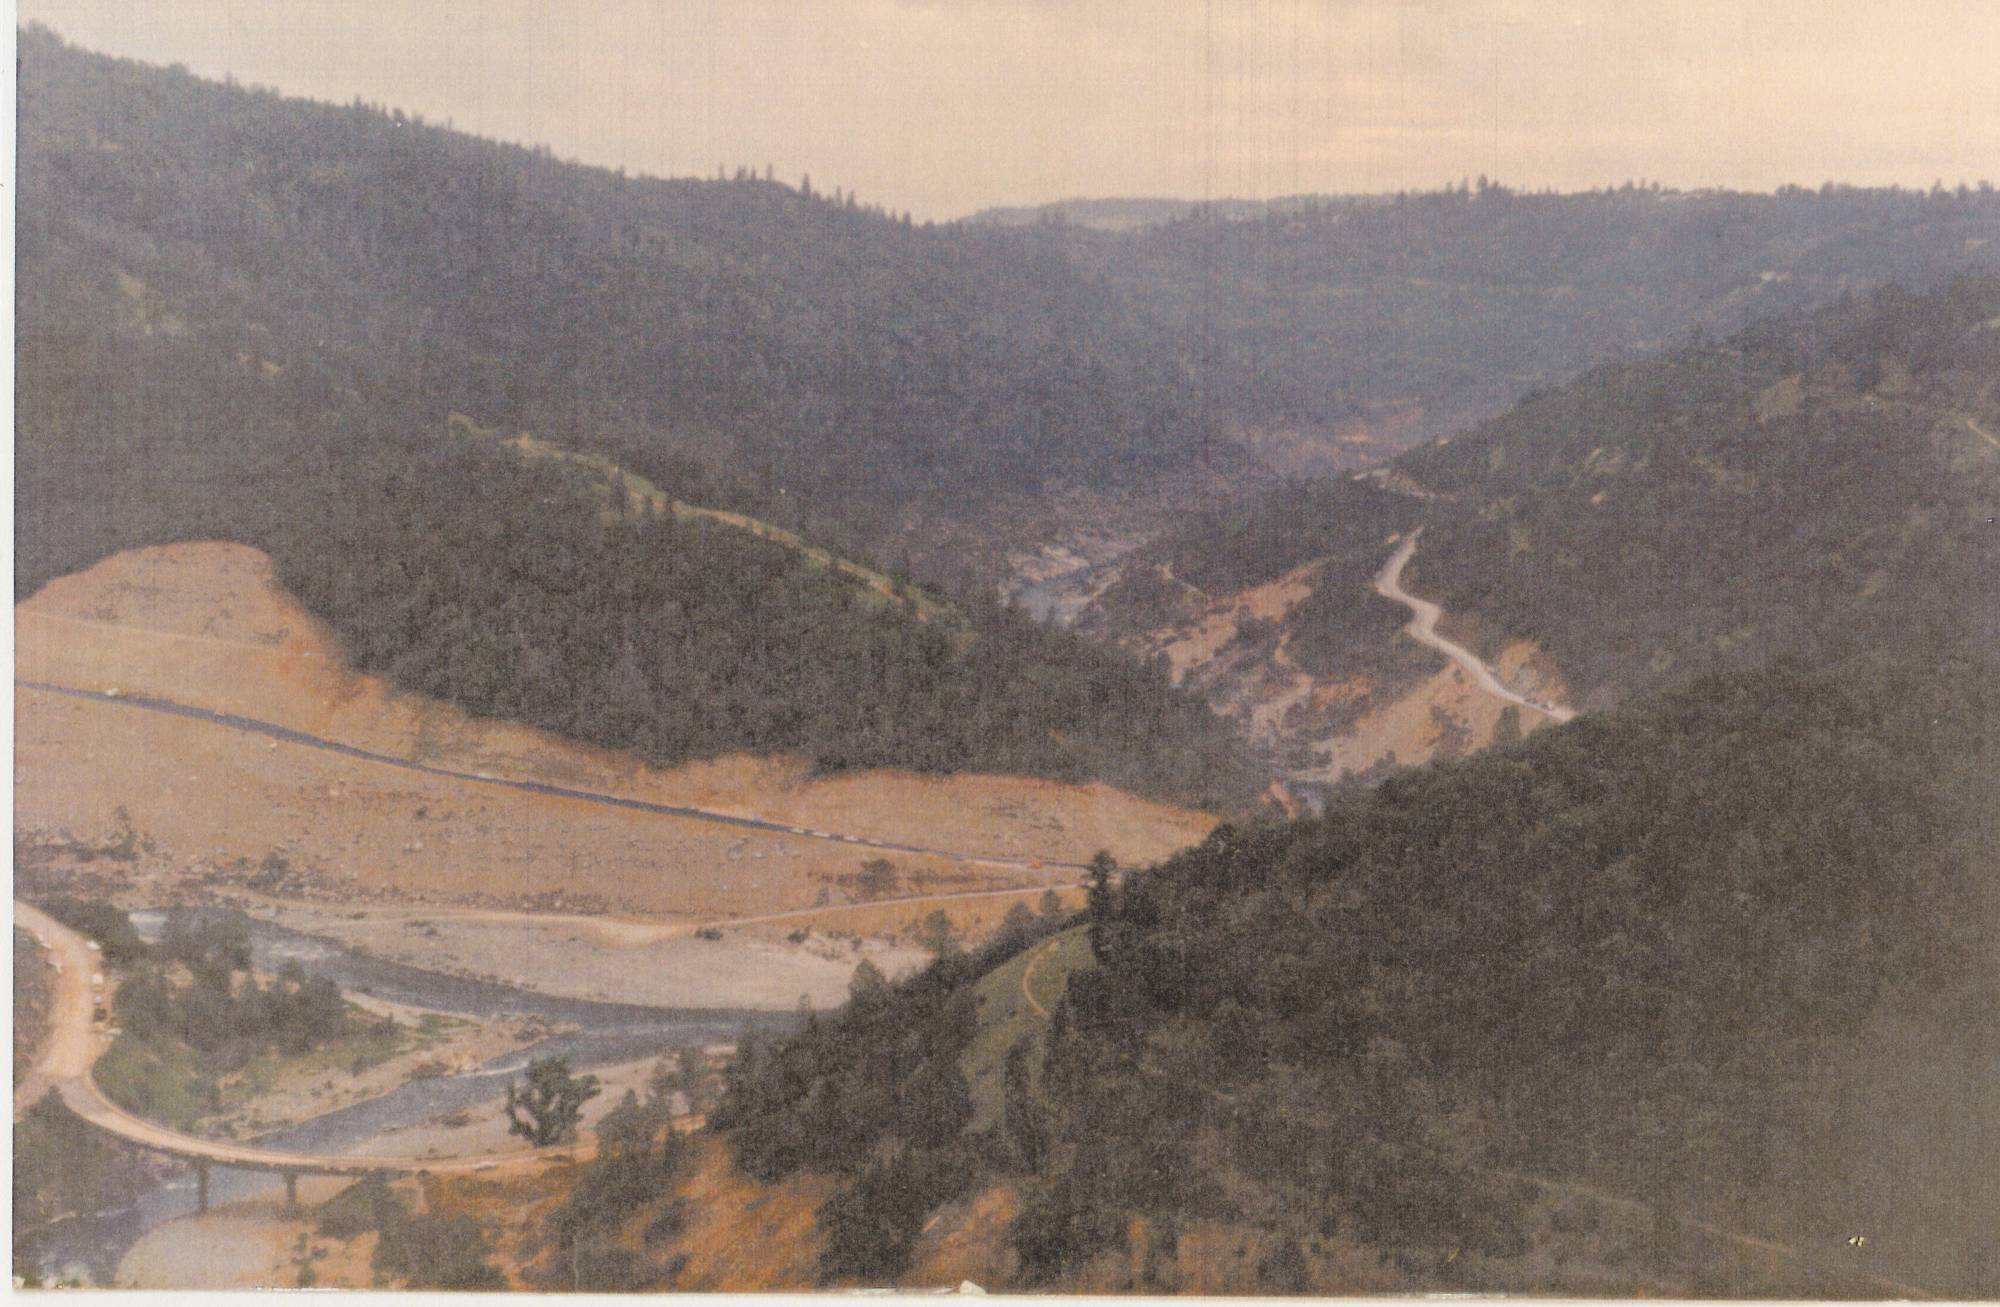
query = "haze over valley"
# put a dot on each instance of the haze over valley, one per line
(587, 730)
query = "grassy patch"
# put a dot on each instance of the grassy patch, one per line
(1005, 1015)
(368, 1045)
(435, 1027)
(160, 1079)
(163, 1079)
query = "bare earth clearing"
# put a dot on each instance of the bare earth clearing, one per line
(1259, 685)
(205, 625)
(610, 961)
(245, 1245)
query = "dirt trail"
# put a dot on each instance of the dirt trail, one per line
(73, 1048)
(1983, 433)
(907, 901)
(1028, 979)
(1423, 629)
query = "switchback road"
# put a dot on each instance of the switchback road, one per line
(1423, 629)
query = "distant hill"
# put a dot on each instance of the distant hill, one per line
(857, 360)
(1132, 214)
(1416, 314)
(1819, 484)
(797, 337)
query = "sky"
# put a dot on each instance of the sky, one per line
(943, 107)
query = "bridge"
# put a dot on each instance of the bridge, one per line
(74, 1044)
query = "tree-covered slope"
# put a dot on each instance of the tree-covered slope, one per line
(1816, 484)
(465, 568)
(1682, 953)
(1723, 950)
(1819, 483)
(824, 346)
(1433, 309)
(832, 348)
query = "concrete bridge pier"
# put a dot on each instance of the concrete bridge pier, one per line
(201, 1187)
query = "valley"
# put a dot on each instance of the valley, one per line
(1423, 628)
(583, 726)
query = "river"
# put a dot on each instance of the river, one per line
(1057, 598)
(91, 1247)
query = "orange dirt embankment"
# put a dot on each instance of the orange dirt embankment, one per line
(1276, 702)
(1409, 730)
(206, 625)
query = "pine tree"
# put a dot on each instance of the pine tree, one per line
(553, 1100)
(1101, 868)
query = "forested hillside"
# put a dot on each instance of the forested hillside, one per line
(833, 350)
(1727, 952)
(1724, 948)
(1427, 310)
(788, 333)
(1818, 484)
(1344, 526)
(466, 570)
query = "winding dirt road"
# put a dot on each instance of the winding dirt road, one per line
(74, 1045)
(1423, 629)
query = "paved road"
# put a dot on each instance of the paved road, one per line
(1423, 629)
(146, 703)
(74, 1045)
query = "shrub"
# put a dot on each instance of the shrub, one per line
(872, 1225)
(103, 922)
(1058, 1230)
(1283, 1269)
(367, 1204)
(427, 1250)
(613, 1268)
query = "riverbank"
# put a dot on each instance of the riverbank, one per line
(248, 1244)
(274, 1092)
(253, 1243)
(607, 960)
(483, 1127)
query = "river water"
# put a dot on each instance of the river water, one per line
(1057, 598)
(91, 1247)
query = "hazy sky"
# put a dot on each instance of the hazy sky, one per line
(946, 106)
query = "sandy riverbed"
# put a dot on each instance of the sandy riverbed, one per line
(661, 965)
